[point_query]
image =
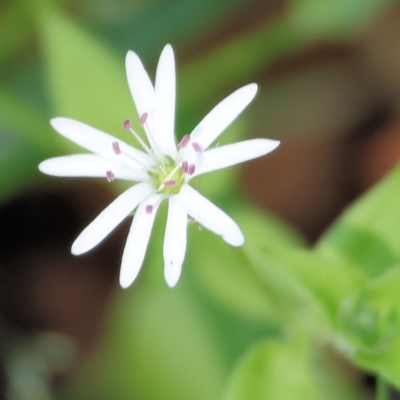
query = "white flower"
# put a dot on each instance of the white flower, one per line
(162, 170)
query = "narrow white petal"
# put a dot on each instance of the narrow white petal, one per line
(110, 217)
(216, 121)
(210, 216)
(98, 142)
(164, 111)
(88, 165)
(174, 241)
(138, 238)
(139, 84)
(231, 154)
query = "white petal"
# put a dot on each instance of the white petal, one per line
(110, 217)
(164, 111)
(210, 216)
(98, 142)
(139, 83)
(138, 238)
(88, 165)
(174, 241)
(231, 154)
(142, 92)
(215, 122)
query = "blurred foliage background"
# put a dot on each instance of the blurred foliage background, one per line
(329, 77)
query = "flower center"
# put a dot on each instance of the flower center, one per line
(170, 177)
(167, 175)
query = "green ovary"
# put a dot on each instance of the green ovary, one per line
(168, 172)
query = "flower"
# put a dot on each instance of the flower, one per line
(162, 170)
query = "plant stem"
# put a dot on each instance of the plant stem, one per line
(382, 389)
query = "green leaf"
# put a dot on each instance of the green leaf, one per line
(337, 18)
(293, 302)
(158, 346)
(289, 369)
(227, 277)
(254, 49)
(25, 123)
(225, 272)
(19, 163)
(86, 81)
(367, 235)
(15, 25)
(24, 142)
(328, 283)
(369, 320)
(263, 229)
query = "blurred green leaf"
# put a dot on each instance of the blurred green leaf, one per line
(337, 18)
(225, 272)
(293, 302)
(328, 283)
(15, 25)
(25, 141)
(367, 235)
(304, 22)
(151, 24)
(227, 277)
(159, 345)
(25, 123)
(370, 324)
(262, 229)
(86, 82)
(282, 370)
(20, 165)
(254, 49)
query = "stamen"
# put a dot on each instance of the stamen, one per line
(196, 147)
(116, 148)
(127, 125)
(110, 176)
(153, 147)
(169, 183)
(185, 140)
(149, 209)
(191, 170)
(185, 167)
(143, 118)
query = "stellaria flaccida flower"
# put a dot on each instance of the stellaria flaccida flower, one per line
(161, 170)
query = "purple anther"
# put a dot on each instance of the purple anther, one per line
(185, 140)
(196, 147)
(149, 209)
(185, 167)
(191, 169)
(110, 176)
(115, 147)
(143, 118)
(169, 183)
(127, 125)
